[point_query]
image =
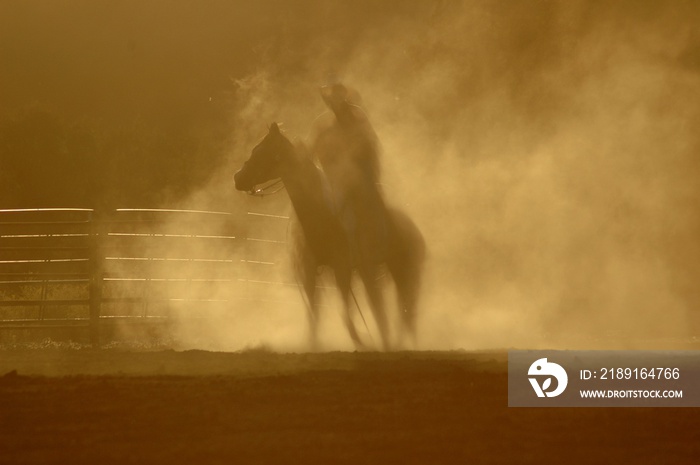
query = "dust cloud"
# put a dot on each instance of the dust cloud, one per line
(548, 151)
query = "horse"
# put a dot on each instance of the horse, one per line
(327, 242)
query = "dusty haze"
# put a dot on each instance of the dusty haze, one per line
(549, 151)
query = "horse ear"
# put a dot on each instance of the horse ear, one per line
(274, 128)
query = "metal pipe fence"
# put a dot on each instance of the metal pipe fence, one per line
(68, 267)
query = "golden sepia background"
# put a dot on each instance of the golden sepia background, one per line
(549, 150)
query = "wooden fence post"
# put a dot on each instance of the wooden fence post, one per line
(96, 275)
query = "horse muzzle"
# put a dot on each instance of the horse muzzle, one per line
(241, 183)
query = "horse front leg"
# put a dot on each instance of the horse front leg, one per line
(306, 268)
(312, 310)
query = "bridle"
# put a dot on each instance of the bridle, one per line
(262, 191)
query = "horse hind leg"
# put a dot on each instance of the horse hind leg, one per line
(405, 263)
(343, 278)
(407, 281)
(376, 302)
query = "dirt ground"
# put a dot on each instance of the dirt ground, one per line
(163, 406)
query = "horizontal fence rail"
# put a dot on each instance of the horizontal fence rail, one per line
(80, 267)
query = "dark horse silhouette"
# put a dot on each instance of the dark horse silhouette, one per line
(325, 240)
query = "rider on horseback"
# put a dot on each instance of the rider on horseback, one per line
(347, 149)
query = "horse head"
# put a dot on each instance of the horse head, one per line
(264, 162)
